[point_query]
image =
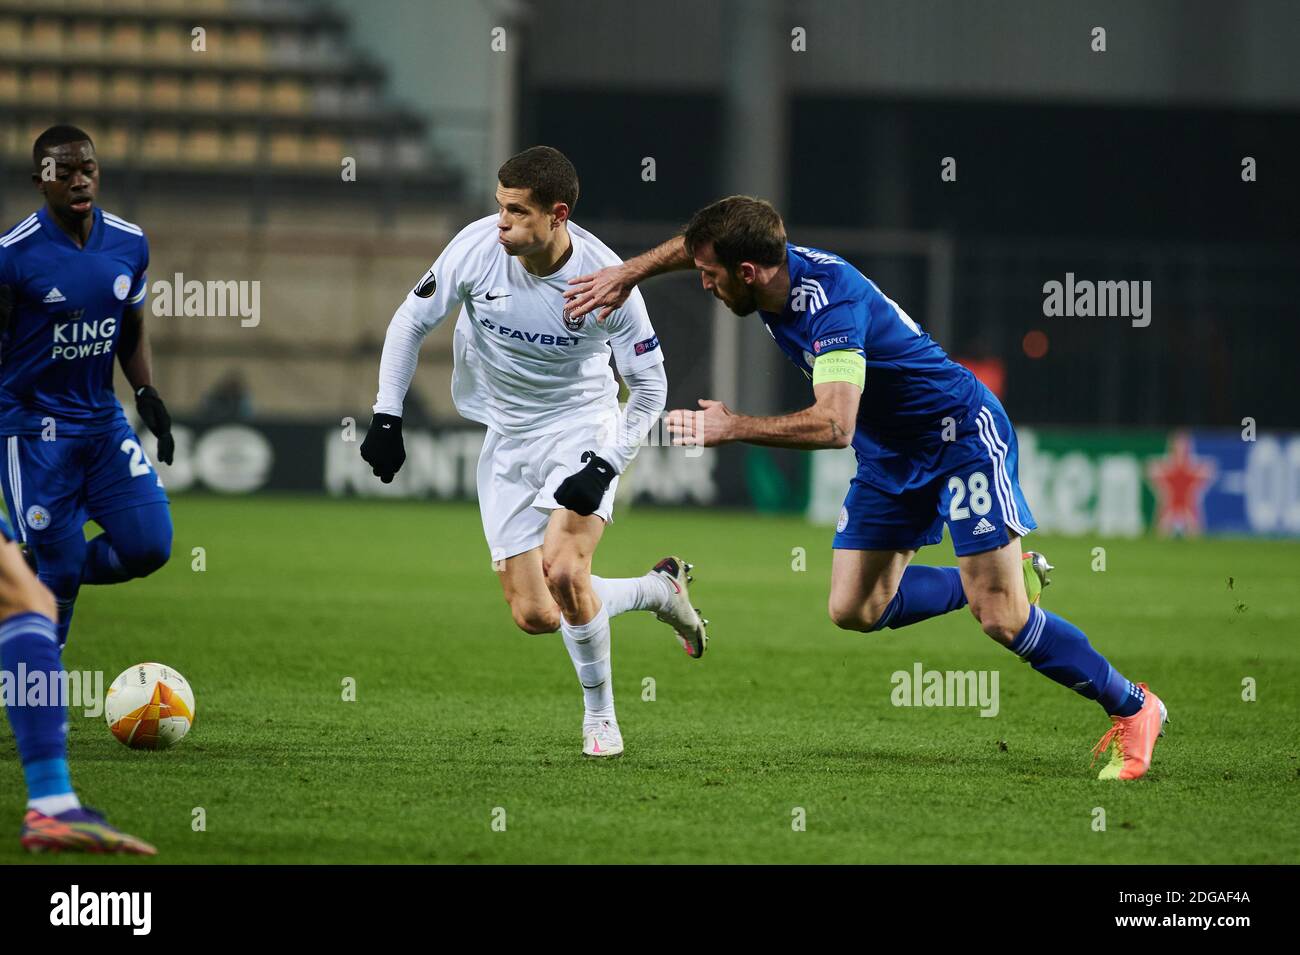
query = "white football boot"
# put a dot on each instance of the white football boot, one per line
(679, 614)
(602, 739)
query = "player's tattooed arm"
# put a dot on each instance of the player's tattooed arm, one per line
(829, 423)
(609, 288)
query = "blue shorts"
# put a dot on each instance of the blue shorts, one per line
(52, 488)
(901, 502)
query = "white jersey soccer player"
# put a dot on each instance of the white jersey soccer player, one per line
(535, 380)
(540, 381)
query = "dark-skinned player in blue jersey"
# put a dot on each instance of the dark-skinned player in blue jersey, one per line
(75, 277)
(72, 294)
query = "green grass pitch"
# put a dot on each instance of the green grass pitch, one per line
(458, 714)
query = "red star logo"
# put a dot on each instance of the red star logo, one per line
(1180, 480)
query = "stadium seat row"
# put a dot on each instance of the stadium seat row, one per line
(157, 90)
(236, 146)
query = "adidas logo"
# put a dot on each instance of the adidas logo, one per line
(984, 527)
(53, 295)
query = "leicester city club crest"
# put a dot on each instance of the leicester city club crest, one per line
(121, 287)
(38, 518)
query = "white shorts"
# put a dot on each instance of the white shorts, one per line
(517, 479)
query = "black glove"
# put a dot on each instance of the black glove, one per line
(383, 449)
(582, 492)
(154, 414)
(6, 307)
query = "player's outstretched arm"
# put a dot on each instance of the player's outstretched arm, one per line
(609, 288)
(136, 359)
(829, 423)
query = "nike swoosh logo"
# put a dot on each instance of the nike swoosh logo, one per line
(490, 297)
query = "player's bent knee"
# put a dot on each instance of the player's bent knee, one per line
(536, 620)
(537, 623)
(564, 578)
(858, 617)
(1000, 619)
(1002, 632)
(143, 560)
(848, 617)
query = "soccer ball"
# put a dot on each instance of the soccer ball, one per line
(150, 706)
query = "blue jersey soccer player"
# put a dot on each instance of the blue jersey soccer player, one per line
(934, 447)
(72, 284)
(29, 658)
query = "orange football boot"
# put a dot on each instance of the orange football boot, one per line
(1132, 739)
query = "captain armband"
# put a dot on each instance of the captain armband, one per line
(850, 366)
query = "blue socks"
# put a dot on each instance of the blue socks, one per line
(1059, 650)
(29, 644)
(924, 592)
(1052, 645)
(47, 777)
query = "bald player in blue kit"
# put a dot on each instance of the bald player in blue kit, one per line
(934, 447)
(74, 278)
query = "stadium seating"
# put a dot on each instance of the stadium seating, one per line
(222, 126)
(247, 83)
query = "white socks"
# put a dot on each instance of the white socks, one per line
(53, 805)
(621, 594)
(588, 645)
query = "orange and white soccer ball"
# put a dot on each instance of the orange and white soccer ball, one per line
(150, 706)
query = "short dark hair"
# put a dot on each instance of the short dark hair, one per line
(546, 171)
(741, 229)
(57, 136)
